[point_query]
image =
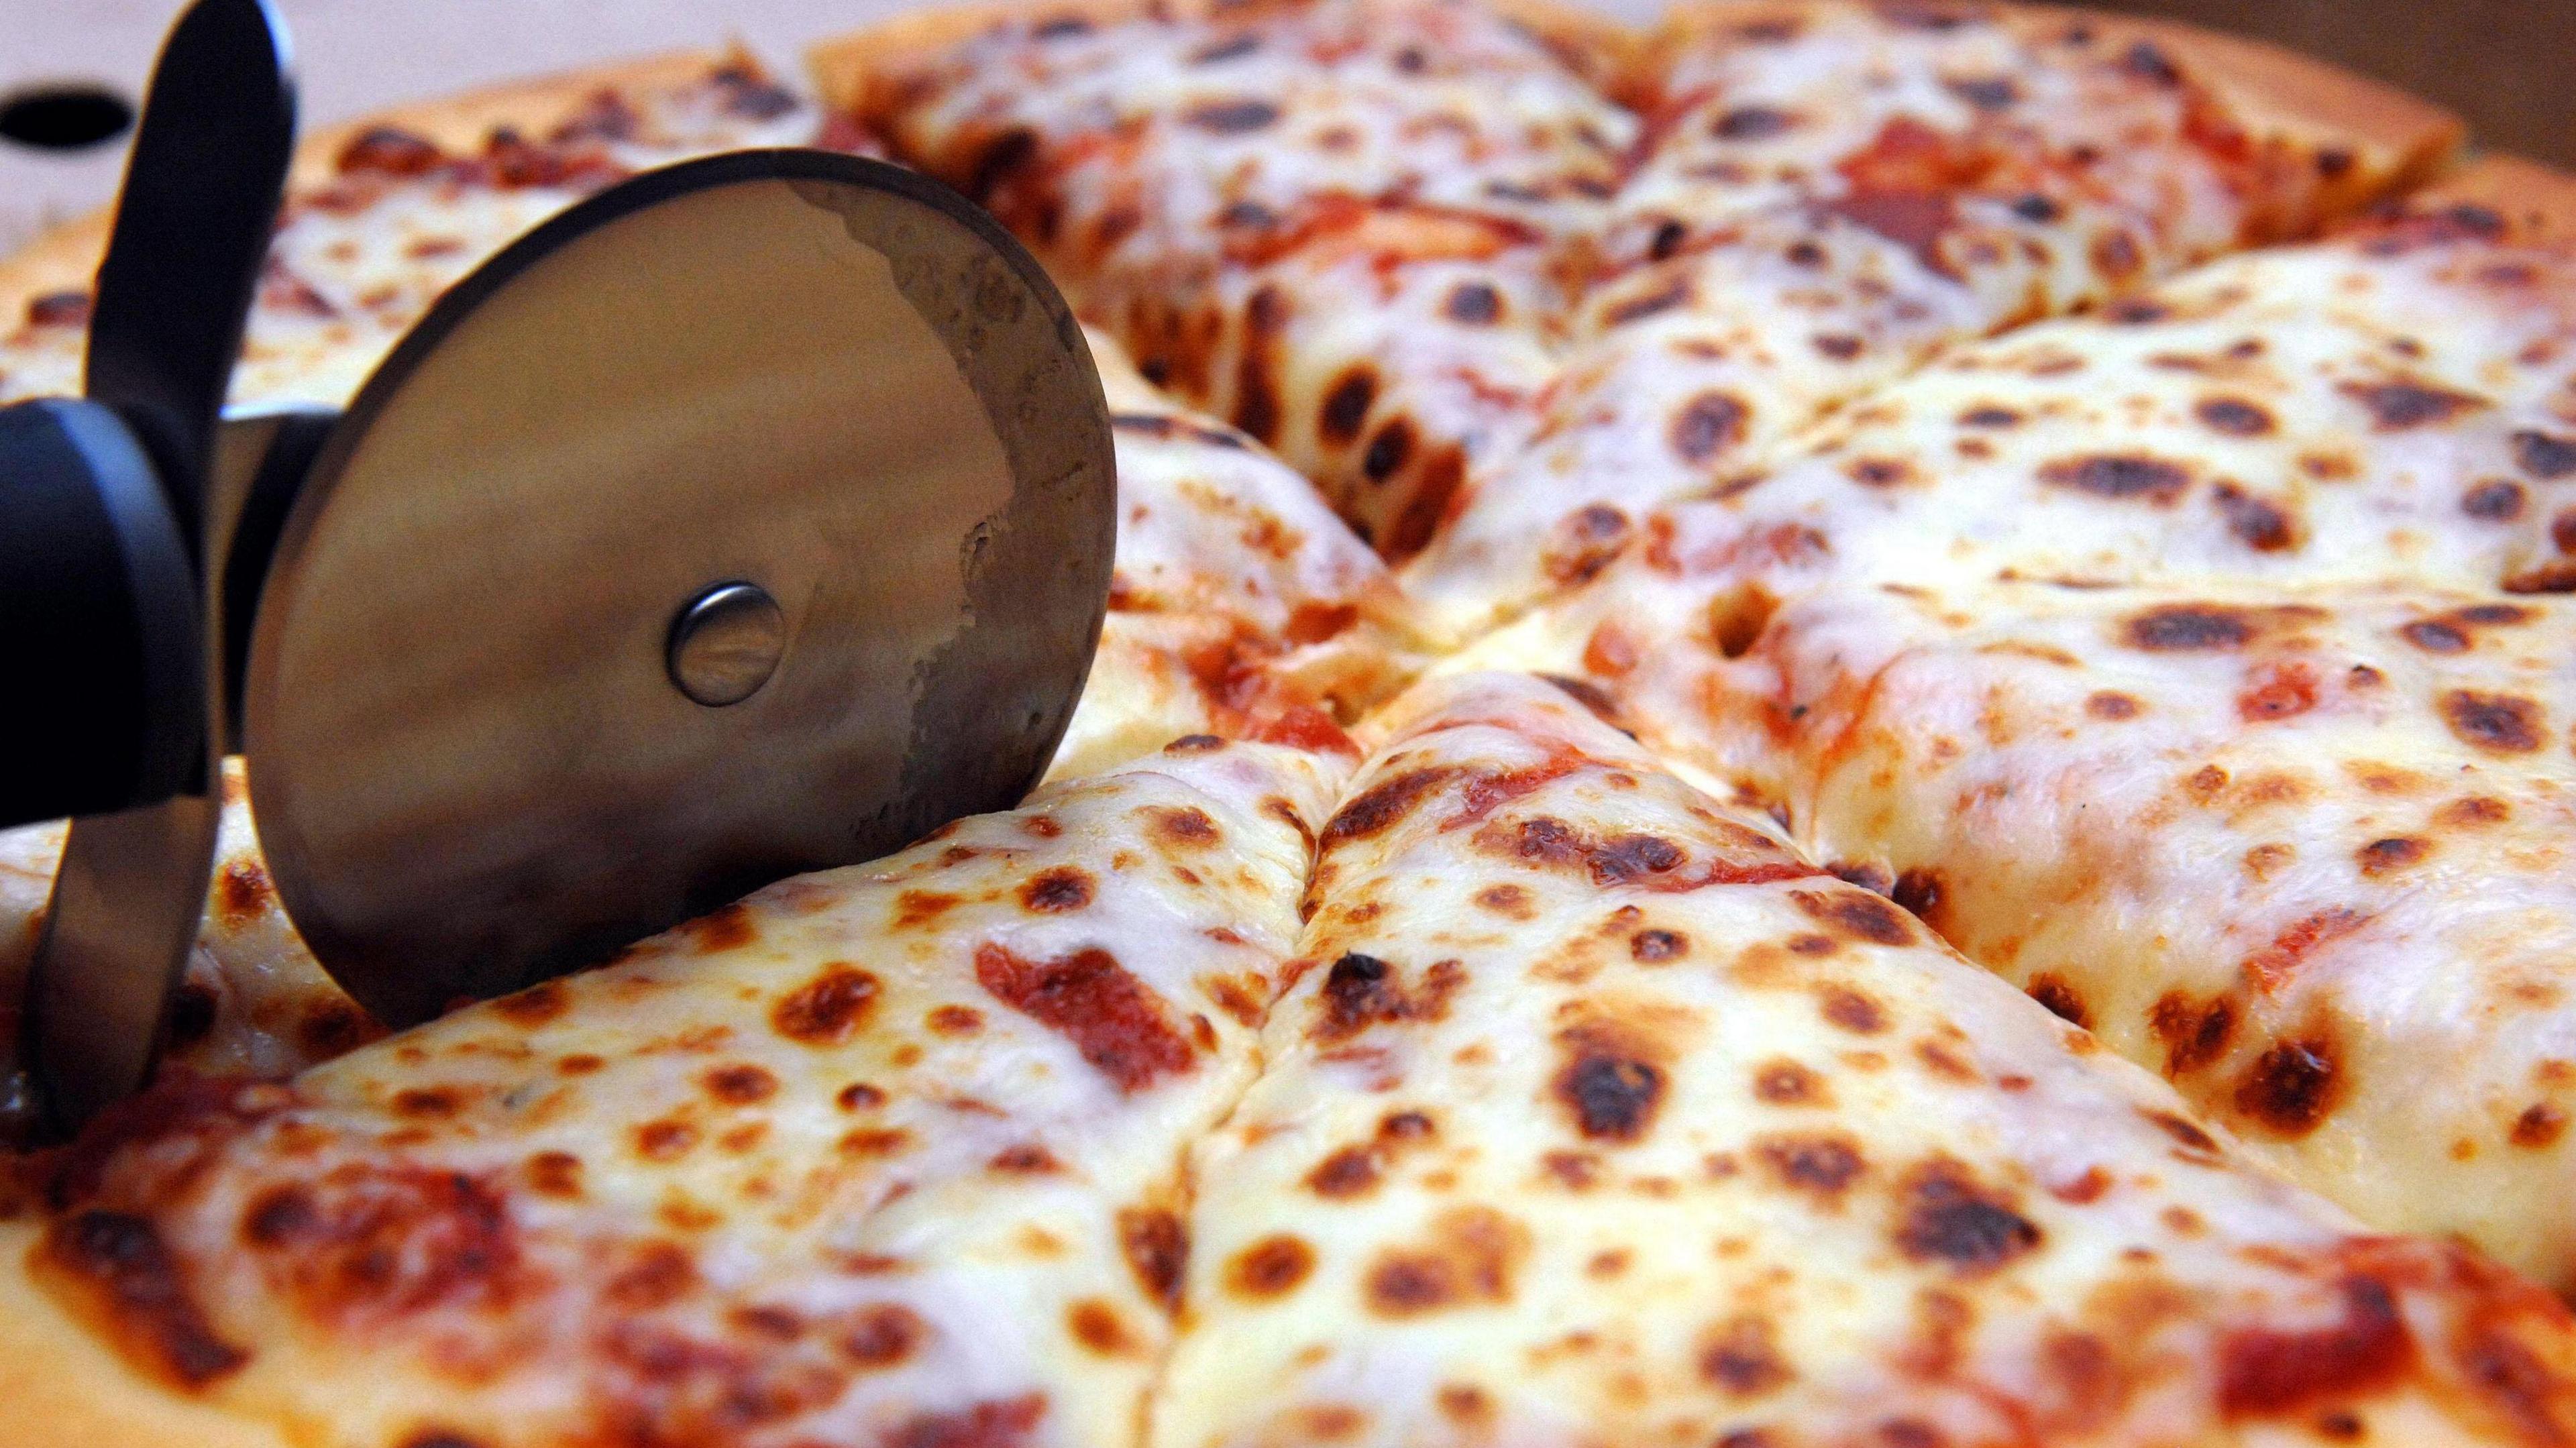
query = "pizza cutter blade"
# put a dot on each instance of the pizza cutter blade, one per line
(752, 517)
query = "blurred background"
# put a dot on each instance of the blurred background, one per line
(69, 69)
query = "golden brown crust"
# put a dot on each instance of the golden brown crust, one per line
(2538, 201)
(65, 257)
(64, 1384)
(857, 73)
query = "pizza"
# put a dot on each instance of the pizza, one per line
(1843, 724)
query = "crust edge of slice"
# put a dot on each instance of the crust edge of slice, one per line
(857, 72)
(2403, 139)
(65, 257)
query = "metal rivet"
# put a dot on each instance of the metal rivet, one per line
(725, 643)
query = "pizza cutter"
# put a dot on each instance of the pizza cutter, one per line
(750, 517)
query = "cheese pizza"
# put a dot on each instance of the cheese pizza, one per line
(1658, 578)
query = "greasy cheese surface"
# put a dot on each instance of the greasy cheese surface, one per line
(888, 1154)
(1600, 1116)
(2193, 664)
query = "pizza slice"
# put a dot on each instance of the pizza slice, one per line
(1598, 1114)
(1240, 605)
(891, 1154)
(1342, 225)
(1830, 192)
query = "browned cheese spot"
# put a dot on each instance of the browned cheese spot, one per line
(995, 1423)
(1348, 1172)
(1858, 914)
(827, 1010)
(2265, 1372)
(2497, 723)
(2110, 704)
(2494, 500)
(2539, 1126)
(2257, 522)
(1057, 890)
(1471, 1258)
(1381, 806)
(1707, 425)
(2062, 999)
(740, 1085)
(128, 1277)
(1784, 1082)
(2388, 856)
(1821, 1165)
(1232, 118)
(2400, 405)
(2119, 476)
(1346, 406)
(1853, 1010)
(1186, 826)
(881, 1335)
(727, 929)
(1096, 1325)
(2194, 1034)
(1272, 1267)
(1361, 991)
(1474, 304)
(1653, 947)
(1948, 1216)
(1612, 1080)
(534, 1006)
(1584, 542)
(1157, 1248)
(2184, 627)
(2233, 416)
(2293, 1086)
(2546, 456)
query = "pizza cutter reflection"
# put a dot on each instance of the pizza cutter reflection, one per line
(750, 517)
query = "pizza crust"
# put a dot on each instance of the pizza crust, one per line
(2533, 197)
(2400, 140)
(65, 258)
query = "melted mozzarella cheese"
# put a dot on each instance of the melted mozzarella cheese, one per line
(1599, 1115)
(888, 1153)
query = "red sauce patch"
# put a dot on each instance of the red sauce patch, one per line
(2277, 691)
(2270, 1374)
(1118, 1024)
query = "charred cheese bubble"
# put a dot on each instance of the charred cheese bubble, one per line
(888, 1154)
(1601, 1115)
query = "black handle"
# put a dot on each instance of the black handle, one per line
(99, 632)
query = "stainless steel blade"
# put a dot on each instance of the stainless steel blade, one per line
(201, 193)
(753, 517)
